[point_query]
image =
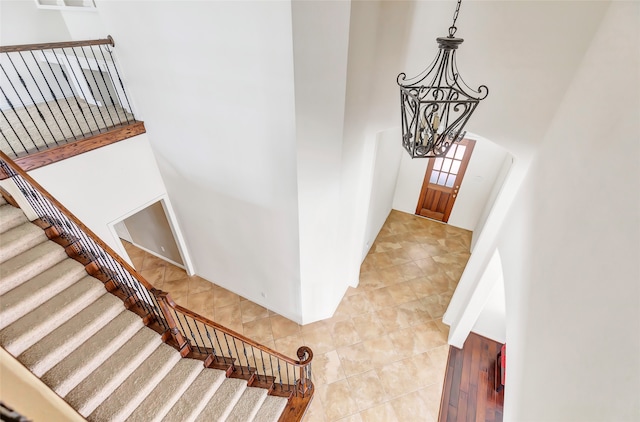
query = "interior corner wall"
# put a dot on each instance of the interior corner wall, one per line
(501, 178)
(385, 175)
(320, 69)
(491, 321)
(571, 242)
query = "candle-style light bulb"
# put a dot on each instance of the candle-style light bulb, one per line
(423, 126)
(434, 126)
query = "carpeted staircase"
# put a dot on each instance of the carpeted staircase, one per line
(81, 341)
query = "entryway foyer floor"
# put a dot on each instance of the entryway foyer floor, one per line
(382, 356)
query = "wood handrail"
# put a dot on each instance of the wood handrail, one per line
(241, 337)
(51, 45)
(161, 296)
(75, 220)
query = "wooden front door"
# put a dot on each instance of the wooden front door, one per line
(442, 181)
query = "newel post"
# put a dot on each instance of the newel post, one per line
(304, 355)
(173, 332)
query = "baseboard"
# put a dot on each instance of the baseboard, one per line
(157, 255)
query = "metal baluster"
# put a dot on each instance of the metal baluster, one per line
(271, 364)
(237, 353)
(280, 376)
(33, 101)
(120, 81)
(25, 108)
(213, 349)
(63, 96)
(287, 371)
(106, 87)
(113, 83)
(200, 334)
(264, 367)
(43, 97)
(215, 333)
(93, 76)
(255, 363)
(64, 54)
(15, 154)
(19, 119)
(193, 337)
(90, 92)
(184, 332)
(295, 381)
(246, 357)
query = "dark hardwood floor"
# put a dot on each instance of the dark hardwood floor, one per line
(469, 392)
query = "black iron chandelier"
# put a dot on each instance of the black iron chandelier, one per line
(436, 104)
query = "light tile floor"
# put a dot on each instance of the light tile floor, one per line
(382, 356)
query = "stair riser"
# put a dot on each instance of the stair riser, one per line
(31, 269)
(67, 342)
(40, 328)
(96, 388)
(166, 394)
(28, 296)
(138, 386)
(10, 217)
(19, 240)
(92, 359)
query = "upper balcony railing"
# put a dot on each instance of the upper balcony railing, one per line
(57, 93)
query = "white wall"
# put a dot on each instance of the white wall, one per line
(483, 169)
(571, 243)
(320, 63)
(492, 318)
(21, 22)
(150, 229)
(377, 40)
(503, 173)
(385, 175)
(113, 180)
(213, 82)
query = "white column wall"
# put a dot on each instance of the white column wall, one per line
(320, 63)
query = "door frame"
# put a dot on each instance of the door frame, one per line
(470, 144)
(175, 230)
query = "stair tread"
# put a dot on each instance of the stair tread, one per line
(271, 409)
(248, 405)
(20, 239)
(69, 372)
(34, 292)
(222, 402)
(93, 390)
(187, 408)
(29, 264)
(26, 331)
(162, 398)
(124, 400)
(45, 354)
(10, 217)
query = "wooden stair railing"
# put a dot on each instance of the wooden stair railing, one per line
(62, 99)
(192, 335)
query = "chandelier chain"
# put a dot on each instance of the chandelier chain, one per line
(452, 28)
